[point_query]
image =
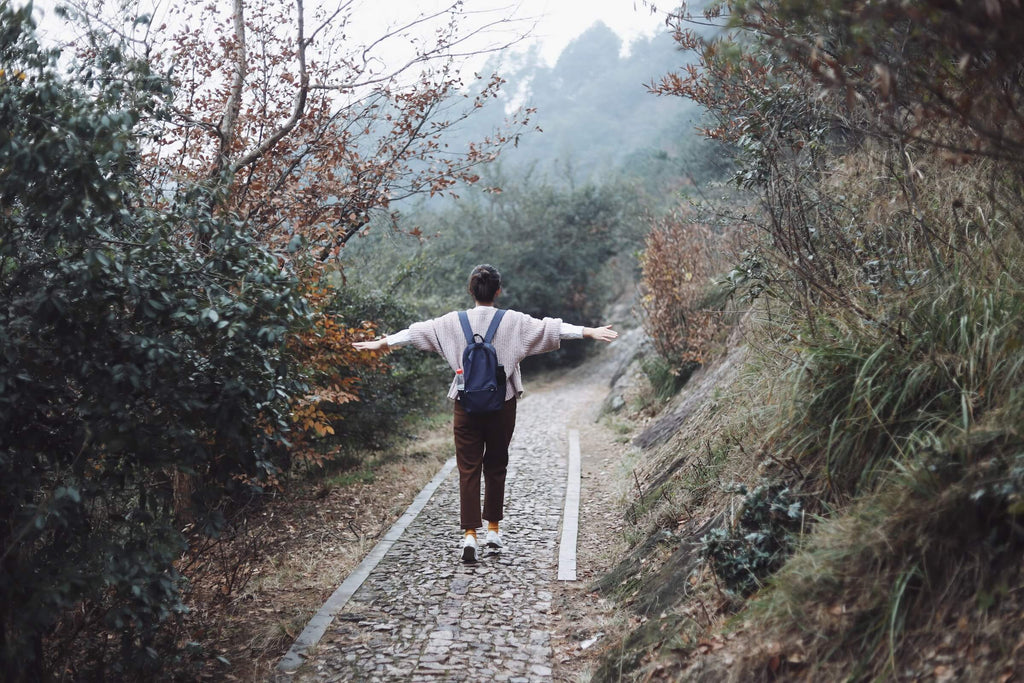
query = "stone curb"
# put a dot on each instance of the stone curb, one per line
(571, 513)
(321, 621)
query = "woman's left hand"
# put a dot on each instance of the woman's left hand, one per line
(375, 345)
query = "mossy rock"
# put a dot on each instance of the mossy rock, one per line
(670, 584)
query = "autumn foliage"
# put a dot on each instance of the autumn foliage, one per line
(326, 351)
(309, 135)
(307, 130)
(680, 260)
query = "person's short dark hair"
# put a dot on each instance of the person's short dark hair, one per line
(484, 282)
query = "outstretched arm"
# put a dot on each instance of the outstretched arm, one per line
(605, 333)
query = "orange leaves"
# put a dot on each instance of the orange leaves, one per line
(310, 418)
(439, 185)
(326, 348)
(678, 263)
(325, 351)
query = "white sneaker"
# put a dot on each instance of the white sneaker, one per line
(469, 549)
(494, 540)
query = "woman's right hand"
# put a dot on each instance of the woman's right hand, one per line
(605, 334)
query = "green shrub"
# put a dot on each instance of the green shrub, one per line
(743, 555)
(560, 252)
(141, 340)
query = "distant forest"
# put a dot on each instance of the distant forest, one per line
(593, 108)
(567, 205)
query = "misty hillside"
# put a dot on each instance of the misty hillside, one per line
(593, 106)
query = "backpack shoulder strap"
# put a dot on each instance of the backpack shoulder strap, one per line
(466, 329)
(495, 321)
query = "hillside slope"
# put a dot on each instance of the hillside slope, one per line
(736, 571)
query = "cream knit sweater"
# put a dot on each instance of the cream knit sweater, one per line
(518, 336)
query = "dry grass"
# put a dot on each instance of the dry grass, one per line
(676, 491)
(884, 390)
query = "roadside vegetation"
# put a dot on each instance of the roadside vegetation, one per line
(845, 502)
(191, 453)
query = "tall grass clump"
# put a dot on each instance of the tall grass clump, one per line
(904, 411)
(929, 562)
(910, 434)
(870, 398)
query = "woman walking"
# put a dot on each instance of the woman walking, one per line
(482, 439)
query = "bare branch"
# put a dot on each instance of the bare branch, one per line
(441, 50)
(343, 7)
(232, 107)
(318, 160)
(300, 98)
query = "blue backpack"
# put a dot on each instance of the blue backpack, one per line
(484, 379)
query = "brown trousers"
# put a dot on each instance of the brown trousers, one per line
(481, 444)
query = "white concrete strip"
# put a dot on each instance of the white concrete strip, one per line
(571, 514)
(320, 622)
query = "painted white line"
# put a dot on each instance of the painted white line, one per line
(571, 514)
(318, 625)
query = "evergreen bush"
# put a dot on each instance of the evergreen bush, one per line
(143, 374)
(761, 540)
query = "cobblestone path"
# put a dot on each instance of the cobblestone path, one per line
(422, 615)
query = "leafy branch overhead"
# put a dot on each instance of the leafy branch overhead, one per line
(304, 129)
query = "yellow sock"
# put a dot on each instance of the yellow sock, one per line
(471, 532)
(492, 526)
